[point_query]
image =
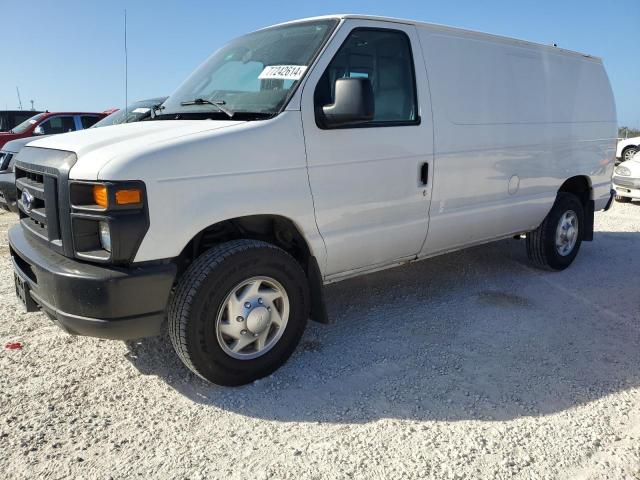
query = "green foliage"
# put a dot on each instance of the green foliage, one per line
(627, 132)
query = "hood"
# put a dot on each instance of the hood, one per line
(95, 147)
(14, 146)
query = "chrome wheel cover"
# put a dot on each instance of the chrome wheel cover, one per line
(567, 233)
(629, 154)
(252, 318)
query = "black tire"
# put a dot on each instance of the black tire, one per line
(621, 199)
(541, 243)
(202, 290)
(628, 153)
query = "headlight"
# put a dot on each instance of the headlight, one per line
(623, 171)
(109, 219)
(105, 235)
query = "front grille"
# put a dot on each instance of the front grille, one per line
(37, 194)
(42, 178)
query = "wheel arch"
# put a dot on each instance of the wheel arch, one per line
(278, 230)
(581, 187)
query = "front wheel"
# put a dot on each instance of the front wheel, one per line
(555, 243)
(239, 311)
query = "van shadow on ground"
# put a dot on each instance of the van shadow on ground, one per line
(476, 334)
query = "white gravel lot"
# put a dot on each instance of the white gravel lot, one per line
(471, 365)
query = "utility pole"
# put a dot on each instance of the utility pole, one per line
(19, 100)
(126, 69)
(32, 107)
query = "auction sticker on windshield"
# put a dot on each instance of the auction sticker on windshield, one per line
(283, 72)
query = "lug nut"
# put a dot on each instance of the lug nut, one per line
(260, 301)
(247, 305)
(243, 332)
(268, 309)
(240, 319)
(255, 334)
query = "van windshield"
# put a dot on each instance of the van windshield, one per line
(24, 126)
(254, 74)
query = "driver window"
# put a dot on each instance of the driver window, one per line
(385, 58)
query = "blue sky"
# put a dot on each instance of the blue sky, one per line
(68, 54)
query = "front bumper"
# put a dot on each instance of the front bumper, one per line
(86, 299)
(627, 186)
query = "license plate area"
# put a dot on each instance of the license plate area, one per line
(22, 292)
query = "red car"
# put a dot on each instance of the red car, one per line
(49, 123)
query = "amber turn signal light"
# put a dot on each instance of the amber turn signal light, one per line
(125, 196)
(100, 196)
(128, 196)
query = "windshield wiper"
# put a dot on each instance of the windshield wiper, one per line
(216, 103)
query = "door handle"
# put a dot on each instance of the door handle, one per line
(424, 173)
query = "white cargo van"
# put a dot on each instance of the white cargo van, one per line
(303, 154)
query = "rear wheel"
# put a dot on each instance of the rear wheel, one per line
(239, 312)
(621, 199)
(628, 153)
(555, 243)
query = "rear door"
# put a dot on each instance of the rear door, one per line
(370, 182)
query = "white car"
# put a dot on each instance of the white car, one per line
(626, 180)
(627, 148)
(304, 154)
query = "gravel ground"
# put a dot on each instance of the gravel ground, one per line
(470, 365)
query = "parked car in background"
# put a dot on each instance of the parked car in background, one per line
(627, 148)
(11, 118)
(626, 180)
(51, 123)
(304, 154)
(136, 112)
(7, 177)
(10, 149)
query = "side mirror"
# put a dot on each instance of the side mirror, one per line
(353, 103)
(38, 130)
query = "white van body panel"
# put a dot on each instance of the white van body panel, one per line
(512, 121)
(503, 124)
(199, 180)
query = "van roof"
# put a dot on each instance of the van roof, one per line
(500, 38)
